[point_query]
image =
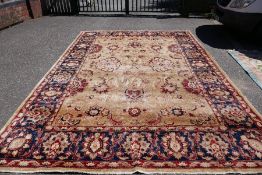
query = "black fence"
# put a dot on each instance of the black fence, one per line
(74, 7)
(60, 7)
(128, 6)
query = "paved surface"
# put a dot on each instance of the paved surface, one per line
(29, 49)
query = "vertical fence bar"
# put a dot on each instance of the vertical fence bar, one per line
(148, 5)
(52, 6)
(94, 5)
(153, 5)
(127, 6)
(48, 8)
(90, 5)
(98, 6)
(44, 7)
(67, 6)
(52, 3)
(60, 7)
(56, 7)
(173, 7)
(74, 8)
(184, 12)
(105, 6)
(102, 5)
(86, 5)
(161, 7)
(80, 6)
(63, 6)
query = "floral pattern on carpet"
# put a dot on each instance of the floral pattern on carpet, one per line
(125, 101)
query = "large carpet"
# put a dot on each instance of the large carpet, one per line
(127, 101)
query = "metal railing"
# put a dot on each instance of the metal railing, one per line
(73, 7)
(60, 7)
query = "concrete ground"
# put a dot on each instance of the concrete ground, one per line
(29, 49)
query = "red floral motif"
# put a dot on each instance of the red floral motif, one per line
(156, 47)
(220, 94)
(174, 111)
(82, 46)
(52, 93)
(175, 145)
(101, 88)
(108, 64)
(169, 88)
(209, 77)
(68, 119)
(134, 112)
(94, 111)
(215, 145)
(17, 144)
(161, 64)
(135, 44)
(95, 145)
(113, 47)
(234, 115)
(177, 111)
(77, 85)
(134, 94)
(61, 77)
(200, 64)
(55, 145)
(136, 145)
(192, 85)
(38, 113)
(72, 64)
(95, 48)
(252, 144)
(175, 48)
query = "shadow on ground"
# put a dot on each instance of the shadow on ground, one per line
(220, 37)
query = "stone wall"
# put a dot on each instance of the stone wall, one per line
(15, 11)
